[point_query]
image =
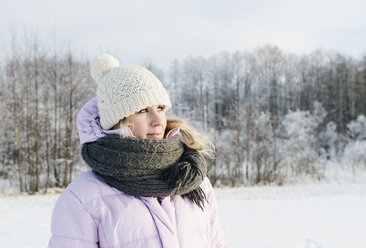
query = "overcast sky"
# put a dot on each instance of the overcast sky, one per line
(160, 30)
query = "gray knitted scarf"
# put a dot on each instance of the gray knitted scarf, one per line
(146, 167)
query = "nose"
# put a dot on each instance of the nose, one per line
(156, 118)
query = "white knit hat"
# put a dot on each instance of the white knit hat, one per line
(124, 90)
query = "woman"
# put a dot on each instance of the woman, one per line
(147, 186)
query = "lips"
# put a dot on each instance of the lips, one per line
(153, 134)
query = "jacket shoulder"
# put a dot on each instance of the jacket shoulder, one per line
(88, 186)
(206, 185)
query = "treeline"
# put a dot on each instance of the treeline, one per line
(250, 103)
(42, 90)
(274, 116)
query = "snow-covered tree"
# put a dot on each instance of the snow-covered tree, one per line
(298, 143)
(355, 150)
(357, 128)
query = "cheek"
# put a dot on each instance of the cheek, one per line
(138, 127)
(164, 121)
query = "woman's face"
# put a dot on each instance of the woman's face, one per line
(149, 123)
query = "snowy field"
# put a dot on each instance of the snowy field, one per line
(311, 216)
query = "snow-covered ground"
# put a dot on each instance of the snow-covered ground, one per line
(312, 216)
(300, 216)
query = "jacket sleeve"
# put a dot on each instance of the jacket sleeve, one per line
(216, 234)
(72, 225)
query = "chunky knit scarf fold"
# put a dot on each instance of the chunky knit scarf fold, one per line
(146, 167)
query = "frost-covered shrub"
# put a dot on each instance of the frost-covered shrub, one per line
(264, 157)
(357, 128)
(355, 153)
(299, 142)
(329, 143)
(226, 169)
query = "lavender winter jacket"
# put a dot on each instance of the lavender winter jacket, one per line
(92, 214)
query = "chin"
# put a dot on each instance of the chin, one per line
(155, 137)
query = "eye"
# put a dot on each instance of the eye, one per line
(161, 107)
(143, 111)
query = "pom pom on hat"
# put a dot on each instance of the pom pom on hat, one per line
(102, 65)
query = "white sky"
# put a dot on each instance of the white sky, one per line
(161, 30)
